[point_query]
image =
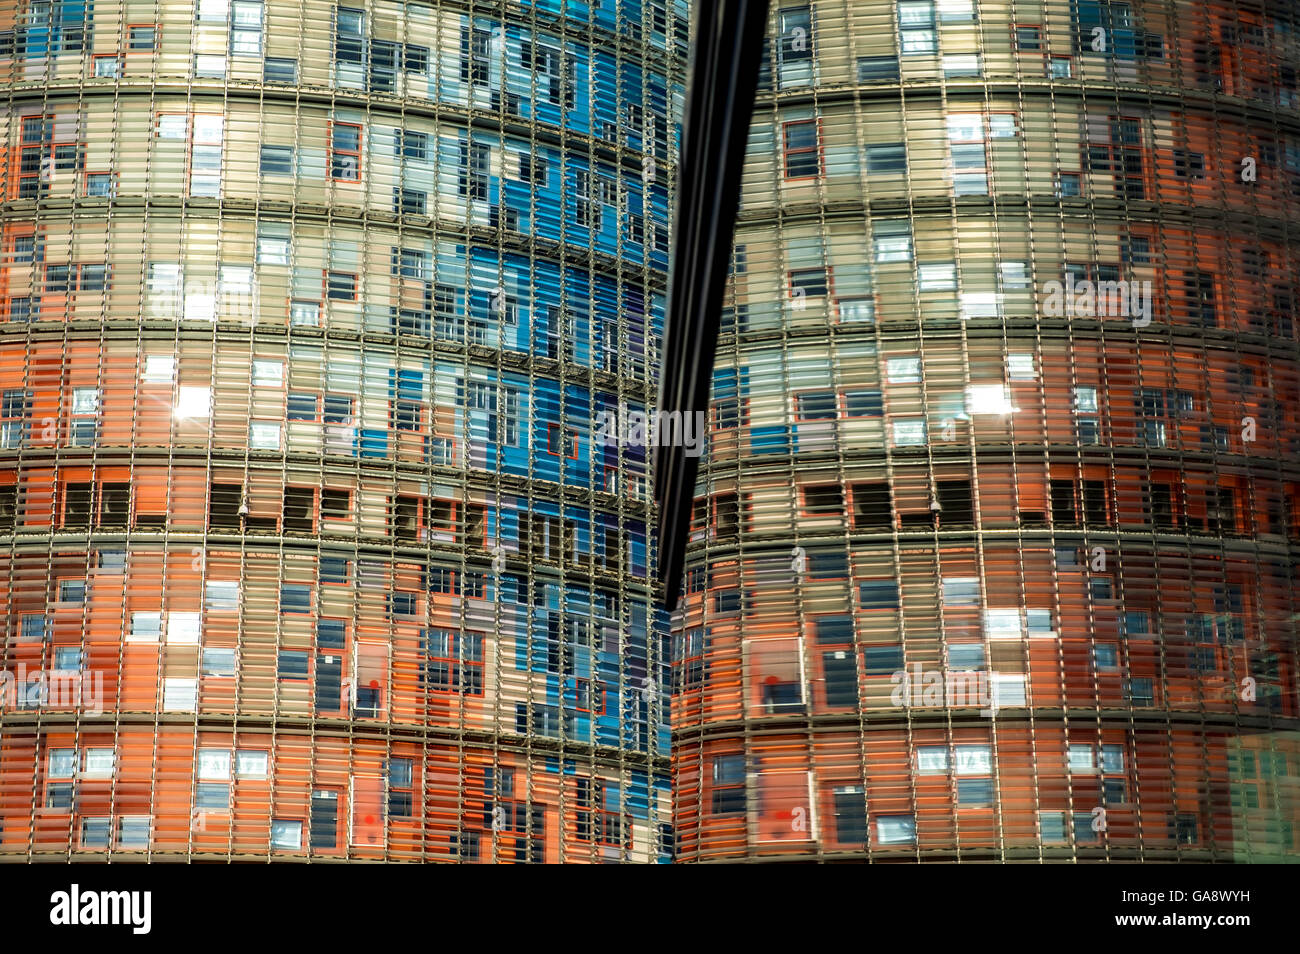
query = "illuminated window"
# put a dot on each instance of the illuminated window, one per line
(916, 28)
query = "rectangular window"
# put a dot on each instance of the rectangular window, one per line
(409, 201)
(1105, 657)
(246, 28)
(1029, 39)
(304, 314)
(903, 370)
(961, 591)
(94, 278)
(173, 125)
(728, 785)
(334, 570)
(975, 792)
(335, 504)
(341, 286)
(345, 152)
(101, 185)
(276, 161)
(863, 404)
(14, 407)
(476, 53)
(72, 591)
(264, 435)
(205, 155)
(142, 39)
(411, 145)
(886, 158)
(295, 598)
(286, 835)
(251, 763)
(302, 406)
(816, 405)
(268, 374)
(107, 66)
(218, 662)
(415, 59)
(795, 51)
(475, 162)
(67, 659)
(1189, 165)
(808, 283)
(133, 832)
(957, 65)
(850, 815)
(293, 665)
(823, 500)
(802, 149)
(892, 240)
(279, 70)
(349, 35)
(878, 69)
(878, 594)
(937, 277)
(272, 249)
(84, 423)
(916, 29)
(932, 760)
(96, 832)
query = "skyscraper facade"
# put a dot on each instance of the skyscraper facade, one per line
(306, 312)
(993, 555)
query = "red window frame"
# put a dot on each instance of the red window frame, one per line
(316, 407)
(595, 696)
(315, 507)
(689, 670)
(553, 441)
(457, 668)
(344, 153)
(325, 285)
(830, 281)
(421, 516)
(1015, 38)
(85, 185)
(95, 57)
(454, 515)
(346, 516)
(803, 502)
(787, 152)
